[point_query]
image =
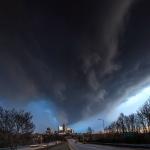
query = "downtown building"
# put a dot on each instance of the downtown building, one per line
(65, 130)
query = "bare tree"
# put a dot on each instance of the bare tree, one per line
(142, 121)
(127, 123)
(121, 122)
(130, 123)
(138, 125)
(145, 112)
(14, 126)
(139, 122)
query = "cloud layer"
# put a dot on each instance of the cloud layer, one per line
(79, 54)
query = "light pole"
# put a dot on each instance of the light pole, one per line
(103, 123)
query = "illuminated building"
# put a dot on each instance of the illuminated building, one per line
(64, 130)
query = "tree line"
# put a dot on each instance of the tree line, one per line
(136, 123)
(16, 127)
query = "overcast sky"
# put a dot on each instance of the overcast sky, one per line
(72, 61)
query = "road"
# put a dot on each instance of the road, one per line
(39, 146)
(80, 146)
(63, 146)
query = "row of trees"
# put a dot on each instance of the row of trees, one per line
(135, 123)
(15, 127)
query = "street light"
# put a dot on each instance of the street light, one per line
(103, 122)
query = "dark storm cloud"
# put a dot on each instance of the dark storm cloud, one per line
(71, 53)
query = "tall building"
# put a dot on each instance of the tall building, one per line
(48, 131)
(64, 130)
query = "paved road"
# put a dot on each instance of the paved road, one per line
(63, 146)
(79, 146)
